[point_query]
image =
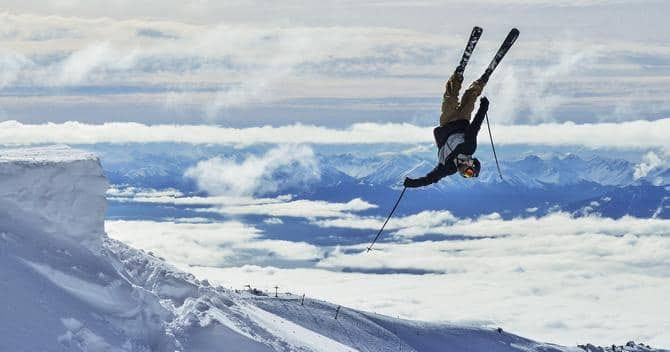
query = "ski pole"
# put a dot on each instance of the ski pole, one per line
(493, 147)
(387, 219)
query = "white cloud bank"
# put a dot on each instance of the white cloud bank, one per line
(279, 168)
(492, 225)
(209, 244)
(634, 134)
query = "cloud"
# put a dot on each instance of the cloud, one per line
(633, 134)
(537, 88)
(13, 132)
(641, 134)
(79, 65)
(204, 244)
(416, 224)
(172, 196)
(649, 162)
(153, 33)
(301, 208)
(273, 221)
(280, 206)
(553, 224)
(239, 63)
(212, 68)
(11, 65)
(209, 244)
(282, 60)
(492, 225)
(279, 168)
(139, 194)
(208, 11)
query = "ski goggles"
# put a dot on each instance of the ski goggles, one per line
(468, 172)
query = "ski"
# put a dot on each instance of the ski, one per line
(472, 42)
(504, 48)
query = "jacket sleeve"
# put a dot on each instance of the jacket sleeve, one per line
(435, 175)
(476, 124)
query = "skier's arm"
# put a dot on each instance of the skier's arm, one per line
(435, 175)
(476, 124)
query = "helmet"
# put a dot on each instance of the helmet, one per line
(469, 168)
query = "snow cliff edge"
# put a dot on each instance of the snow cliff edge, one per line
(58, 190)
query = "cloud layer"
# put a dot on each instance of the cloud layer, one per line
(635, 134)
(218, 244)
(208, 62)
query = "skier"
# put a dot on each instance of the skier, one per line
(456, 137)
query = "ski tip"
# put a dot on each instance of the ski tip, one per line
(515, 31)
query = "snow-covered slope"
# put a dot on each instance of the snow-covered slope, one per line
(67, 287)
(51, 188)
(59, 289)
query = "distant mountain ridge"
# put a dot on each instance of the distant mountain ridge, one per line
(547, 182)
(534, 170)
(567, 182)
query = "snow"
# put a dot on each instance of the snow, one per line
(51, 188)
(294, 333)
(68, 287)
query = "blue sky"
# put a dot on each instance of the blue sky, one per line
(334, 63)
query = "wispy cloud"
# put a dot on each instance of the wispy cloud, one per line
(258, 85)
(210, 67)
(11, 65)
(417, 224)
(172, 196)
(650, 161)
(274, 208)
(537, 89)
(300, 208)
(280, 168)
(80, 64)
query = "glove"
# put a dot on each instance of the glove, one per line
(410, 183)
(484, 101)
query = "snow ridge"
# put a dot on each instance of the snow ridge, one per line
(56, 189)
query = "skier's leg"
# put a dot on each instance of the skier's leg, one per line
(450, 100)
(469, 98)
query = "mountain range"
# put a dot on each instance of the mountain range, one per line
(533, 184)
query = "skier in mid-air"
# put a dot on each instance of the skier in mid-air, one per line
(456, 137)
